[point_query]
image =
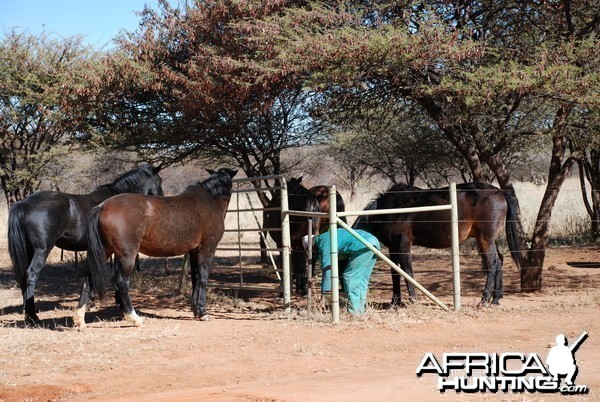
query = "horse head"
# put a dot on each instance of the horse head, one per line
(153, 185)
(294, 185)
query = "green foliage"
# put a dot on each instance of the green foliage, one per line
(490, 75)
(37, 75)
(184, 86)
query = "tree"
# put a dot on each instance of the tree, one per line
(180, 88)
(395, 141)
(36, 74)
(489, 74)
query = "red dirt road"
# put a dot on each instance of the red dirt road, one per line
(252, 351)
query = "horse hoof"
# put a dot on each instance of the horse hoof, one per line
(483, 305)
(205, 317)
(135, 319)
(32, 319)
(79, 324)
(396, 303)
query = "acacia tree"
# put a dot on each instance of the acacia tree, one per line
(179, 89)
(478, 69)
(397, 143)
(36, 74)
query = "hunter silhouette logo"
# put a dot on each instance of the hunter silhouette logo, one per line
(561, 359)
(508, 372)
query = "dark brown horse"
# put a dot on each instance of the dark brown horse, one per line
(322, 194)
(299, 199)
(48, 218)
(191, 222)
(482, 208)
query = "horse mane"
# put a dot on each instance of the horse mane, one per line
(362, 220)
(219, 183)
(398, 187)
(129, 180)
(380, 198)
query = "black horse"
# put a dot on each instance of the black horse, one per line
(481, 210)
(48, 218)
(299, 199)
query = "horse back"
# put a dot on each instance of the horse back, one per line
(481, 211)
(483, 207)
(161, 226)
(46, 217)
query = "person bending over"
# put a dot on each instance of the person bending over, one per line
(356, 276)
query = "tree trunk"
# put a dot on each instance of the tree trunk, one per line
(531, 270)
(589, 168)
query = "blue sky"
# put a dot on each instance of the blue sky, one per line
(99, 20)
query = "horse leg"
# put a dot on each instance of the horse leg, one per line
(489, 260)
(406, 265)
(86, 294)
(299, 270)
(200, 264)
(124, 266)
(402, 256)
(396, 291)
(33, 272)
(263, 246)
(118, 300)
(499, 287)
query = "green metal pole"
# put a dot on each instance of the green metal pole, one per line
(395, 267)
(455, 248)
(286, 247)
(335, 280)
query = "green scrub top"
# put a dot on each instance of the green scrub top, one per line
(348, 245)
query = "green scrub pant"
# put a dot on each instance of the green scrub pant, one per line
(355, 280)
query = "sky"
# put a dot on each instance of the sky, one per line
(98, 20)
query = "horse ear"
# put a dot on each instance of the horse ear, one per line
(157, 169)
(299, 179)
(210, 171)
(232, 172)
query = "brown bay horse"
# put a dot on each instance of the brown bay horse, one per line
(49, 218)
(482, 208)
(191, 222)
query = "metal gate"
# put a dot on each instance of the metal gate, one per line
(244, 220)
(334, 221)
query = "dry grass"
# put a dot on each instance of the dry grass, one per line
(568, 217)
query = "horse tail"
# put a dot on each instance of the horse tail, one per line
(96, 253)
(512, 235)
(18, 242)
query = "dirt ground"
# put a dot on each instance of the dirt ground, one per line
(252, 350)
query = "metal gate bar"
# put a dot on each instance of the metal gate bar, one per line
(334, 221)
